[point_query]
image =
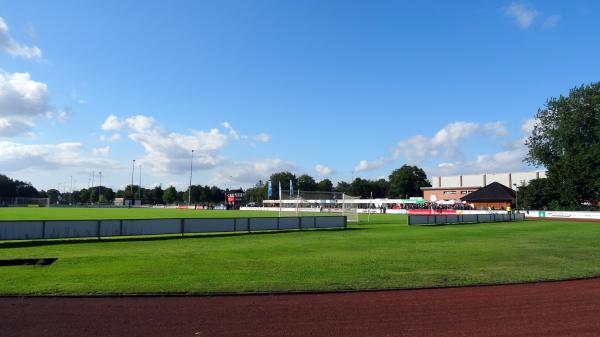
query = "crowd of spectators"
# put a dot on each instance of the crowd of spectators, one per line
(426, 205)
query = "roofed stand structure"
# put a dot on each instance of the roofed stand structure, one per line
(494, 195)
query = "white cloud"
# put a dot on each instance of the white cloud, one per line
(551, 22)
(112, 138)
(101, 151)
(64, 114)
(112, 123)
(522, 14)
(509, 159)
(16, 157)
(365, 165)
(249, 172)
(502, 161)
(170, 153)
(447, 142)
(232, 132)
(528, 126)
(14, 48)
(140, 123)
(21, 101)
(323, 170)
(263, 137)
(14, 127)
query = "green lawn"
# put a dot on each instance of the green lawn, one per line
(383, 254)
(57, 213)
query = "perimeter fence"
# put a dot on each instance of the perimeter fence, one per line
(444, 219)
(62, 229)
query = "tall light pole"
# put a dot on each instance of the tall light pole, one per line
(190, 185)
(132, 171)
(71, 189)
(516, 198)
(99, 186)
(140, 186)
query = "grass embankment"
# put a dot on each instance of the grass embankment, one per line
(383, 254)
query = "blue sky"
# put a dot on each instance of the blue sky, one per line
(334, 89)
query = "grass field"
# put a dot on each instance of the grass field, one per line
(383, 254)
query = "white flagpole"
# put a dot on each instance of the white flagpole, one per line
(297, 200)
(280, 199)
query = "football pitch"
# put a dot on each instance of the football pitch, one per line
(383, 254)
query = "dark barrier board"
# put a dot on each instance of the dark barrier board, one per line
(443, 219)
(62, 229)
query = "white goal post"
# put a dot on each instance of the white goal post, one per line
(321, 203)
(25, 202)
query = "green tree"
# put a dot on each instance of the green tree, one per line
(566, 140)
(407, 182)
(84, 195)
(170, 195)
(360, 188)
(306, 183)
(325, 185)
(380, 188)
(53, 195)
(538, 194)
(7, 187)
(284, 178)
(217, 195)
(364, 188)
(156, 195)
(342, 187)
(256, 194)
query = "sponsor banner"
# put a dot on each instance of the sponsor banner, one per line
(431, 211)
(395, 211)
(563, 215)
(481, 212)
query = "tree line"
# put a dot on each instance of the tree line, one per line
(11, 188)
(403, 182)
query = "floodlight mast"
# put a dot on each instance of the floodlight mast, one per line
(516, 198)
(140, 186)
(190, 185)
(99, 186)
(132, 172)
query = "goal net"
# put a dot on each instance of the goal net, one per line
(27, 202)
(320, 203)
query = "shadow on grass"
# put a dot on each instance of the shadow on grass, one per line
(161, 237)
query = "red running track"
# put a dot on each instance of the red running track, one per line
(569, 308)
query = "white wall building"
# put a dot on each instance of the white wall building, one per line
(484, 179)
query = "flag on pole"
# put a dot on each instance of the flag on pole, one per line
(291, 189)
(280, 190)
(270, 190)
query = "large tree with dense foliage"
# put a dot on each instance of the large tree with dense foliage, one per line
(10, 188)
(256, 194)
(407, 182)
(284, 178)
(170, 195)
(325, 185)
(306, 183)
(566, 140)
(537, 194)
(342, 186)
